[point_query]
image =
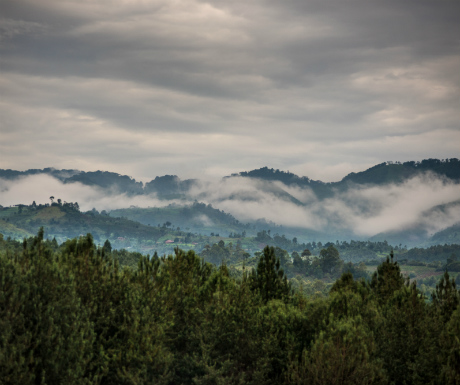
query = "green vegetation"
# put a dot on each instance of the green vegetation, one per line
(64, 220)
(196, 218)
(247, 304)
(82, 314)
(265, 183)
(381, 174)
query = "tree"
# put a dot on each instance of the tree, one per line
(298, 262)
(107, 246)
(343, 354)
(330, 260)
(401, 338)
(269, 279)
(451, 343)
(282, 255)
(46, 334)
(446, 298)
(387, 279)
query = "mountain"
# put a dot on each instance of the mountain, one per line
(109, 181)
(169, 186)
(423, 233)
(282, 202)
(195, 217)
(397, 172)
(66, 221)
(58, 174)
(378, 175)
(447, 236)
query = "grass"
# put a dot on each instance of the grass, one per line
(49, 213)
(10, 230)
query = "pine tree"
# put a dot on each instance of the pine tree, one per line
(269, 279)
(344, 353)
(387, 279)
(46, 334)
(446, 298)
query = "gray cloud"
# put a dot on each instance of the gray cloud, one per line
(192, 88)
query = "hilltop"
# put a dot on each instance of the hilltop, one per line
(171, 186)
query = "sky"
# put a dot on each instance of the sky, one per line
(205, 89)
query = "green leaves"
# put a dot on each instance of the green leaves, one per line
(46, 333)
(268, 280)
(72, 315)
(344, 353)
(386, 280)
(451, 343)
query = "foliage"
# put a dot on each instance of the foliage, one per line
(268, 280)
(387, 279)
(220, 253)
(82, 314)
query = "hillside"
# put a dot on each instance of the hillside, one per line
(64, 221)
(196, 217)
(381, 174)
(268, 199)
(114, 183)
(171, 186)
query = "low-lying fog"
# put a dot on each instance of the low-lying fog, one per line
(364, 210)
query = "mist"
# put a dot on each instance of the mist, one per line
(40, 188)
(426, 201)
(364, 210)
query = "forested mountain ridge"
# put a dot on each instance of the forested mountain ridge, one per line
(381, 174)
(168, 186)
(172, 186)
(108, 180)
(397, 172)
(58, 174)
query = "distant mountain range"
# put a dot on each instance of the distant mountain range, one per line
(268, 188)
(381, 174)
(170, 186)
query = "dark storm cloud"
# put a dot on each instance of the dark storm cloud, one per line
(223, 86)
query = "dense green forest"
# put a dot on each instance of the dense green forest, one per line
(76, 313)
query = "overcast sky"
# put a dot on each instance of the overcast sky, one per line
(146, 88)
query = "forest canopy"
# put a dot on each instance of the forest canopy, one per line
(72, 313)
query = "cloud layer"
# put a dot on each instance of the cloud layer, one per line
(190, 88)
